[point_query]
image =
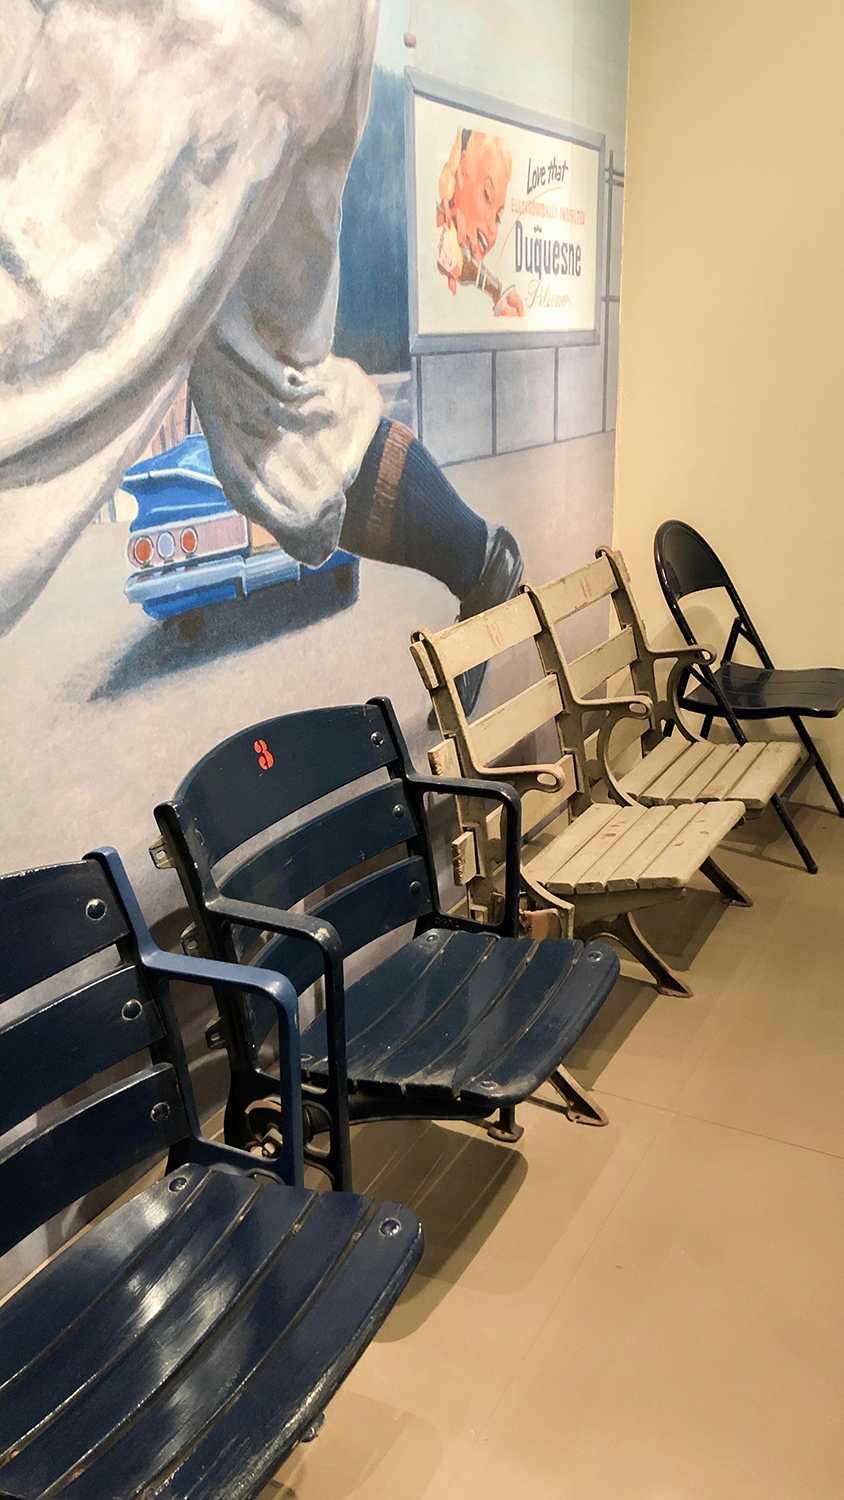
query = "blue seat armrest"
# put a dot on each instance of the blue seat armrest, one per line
(238, 979)
(327, 940)
(494, 791)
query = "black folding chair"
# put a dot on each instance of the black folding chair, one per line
(184, 1344)
(462, 1021)
(686, 564)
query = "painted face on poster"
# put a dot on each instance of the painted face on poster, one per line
(506, 223)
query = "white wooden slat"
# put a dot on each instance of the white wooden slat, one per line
(464, 858)
(662, 790)
(669, 823)
(646, 771)
(612, 866)
(566, 880)
(470, 642)
(758, 782)
(706, 770)
(701, 835)
(419, 652)
(512, 721)
(721, 786)
(444, 759)
(594, 667)
(551, 856)
(565, 596)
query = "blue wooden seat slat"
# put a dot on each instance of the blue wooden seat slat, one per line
(353, 1304)
(443, 1011)
(211, 1336)
(324, 847)
(469, 1017)
(182, 1345)
(362, 912)
(464, 1011)
(481, 1048)
(154, 1218)
(68, 1057)
(396, 999)
(572, 1005)
(89, 1349)
(65, 1158)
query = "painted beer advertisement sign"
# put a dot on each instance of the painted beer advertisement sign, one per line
(505, 224)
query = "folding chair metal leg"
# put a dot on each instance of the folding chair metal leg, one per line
(505, 1127)
(579, 1106)
(625, 931)
(788, 824)
(730, 892)
(820, 765)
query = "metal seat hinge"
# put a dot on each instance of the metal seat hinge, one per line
(215, 1035)
(159, 855)
(190, 942)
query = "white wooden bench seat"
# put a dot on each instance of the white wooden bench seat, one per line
(612, 848)
(679, 771)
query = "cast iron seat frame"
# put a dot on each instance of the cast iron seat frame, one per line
(184, 1343)
(687, 564)
(465, 1020)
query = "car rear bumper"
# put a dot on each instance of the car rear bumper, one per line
(166, 592)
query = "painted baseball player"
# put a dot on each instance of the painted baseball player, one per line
(171, 177)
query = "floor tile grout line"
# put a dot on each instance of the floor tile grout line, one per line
(759, 1135)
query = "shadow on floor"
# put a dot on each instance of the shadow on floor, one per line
(620, 1014)
(678, 930)
(230, 628)
(765, 838)
(365, 1436)
(460, 1183)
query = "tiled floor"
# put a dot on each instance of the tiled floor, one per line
(651, 1311)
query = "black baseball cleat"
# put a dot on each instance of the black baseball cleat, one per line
(500, 577)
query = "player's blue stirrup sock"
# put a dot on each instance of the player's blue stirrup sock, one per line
(402, 509)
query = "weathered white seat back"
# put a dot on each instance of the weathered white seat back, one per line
(476, 749)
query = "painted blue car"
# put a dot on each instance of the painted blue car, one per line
(189, 548)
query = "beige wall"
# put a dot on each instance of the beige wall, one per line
(732, 308)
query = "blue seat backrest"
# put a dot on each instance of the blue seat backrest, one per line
(261, 776)
(50, 920)
(688, 560)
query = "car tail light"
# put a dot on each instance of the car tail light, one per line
(142, 550)
(189, 541)
(166, 544)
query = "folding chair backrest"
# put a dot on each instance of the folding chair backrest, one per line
(686, 564)
(443, 656)
(264, 775)
(687, 561)
(52, 919)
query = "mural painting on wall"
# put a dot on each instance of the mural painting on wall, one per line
(234, 243)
